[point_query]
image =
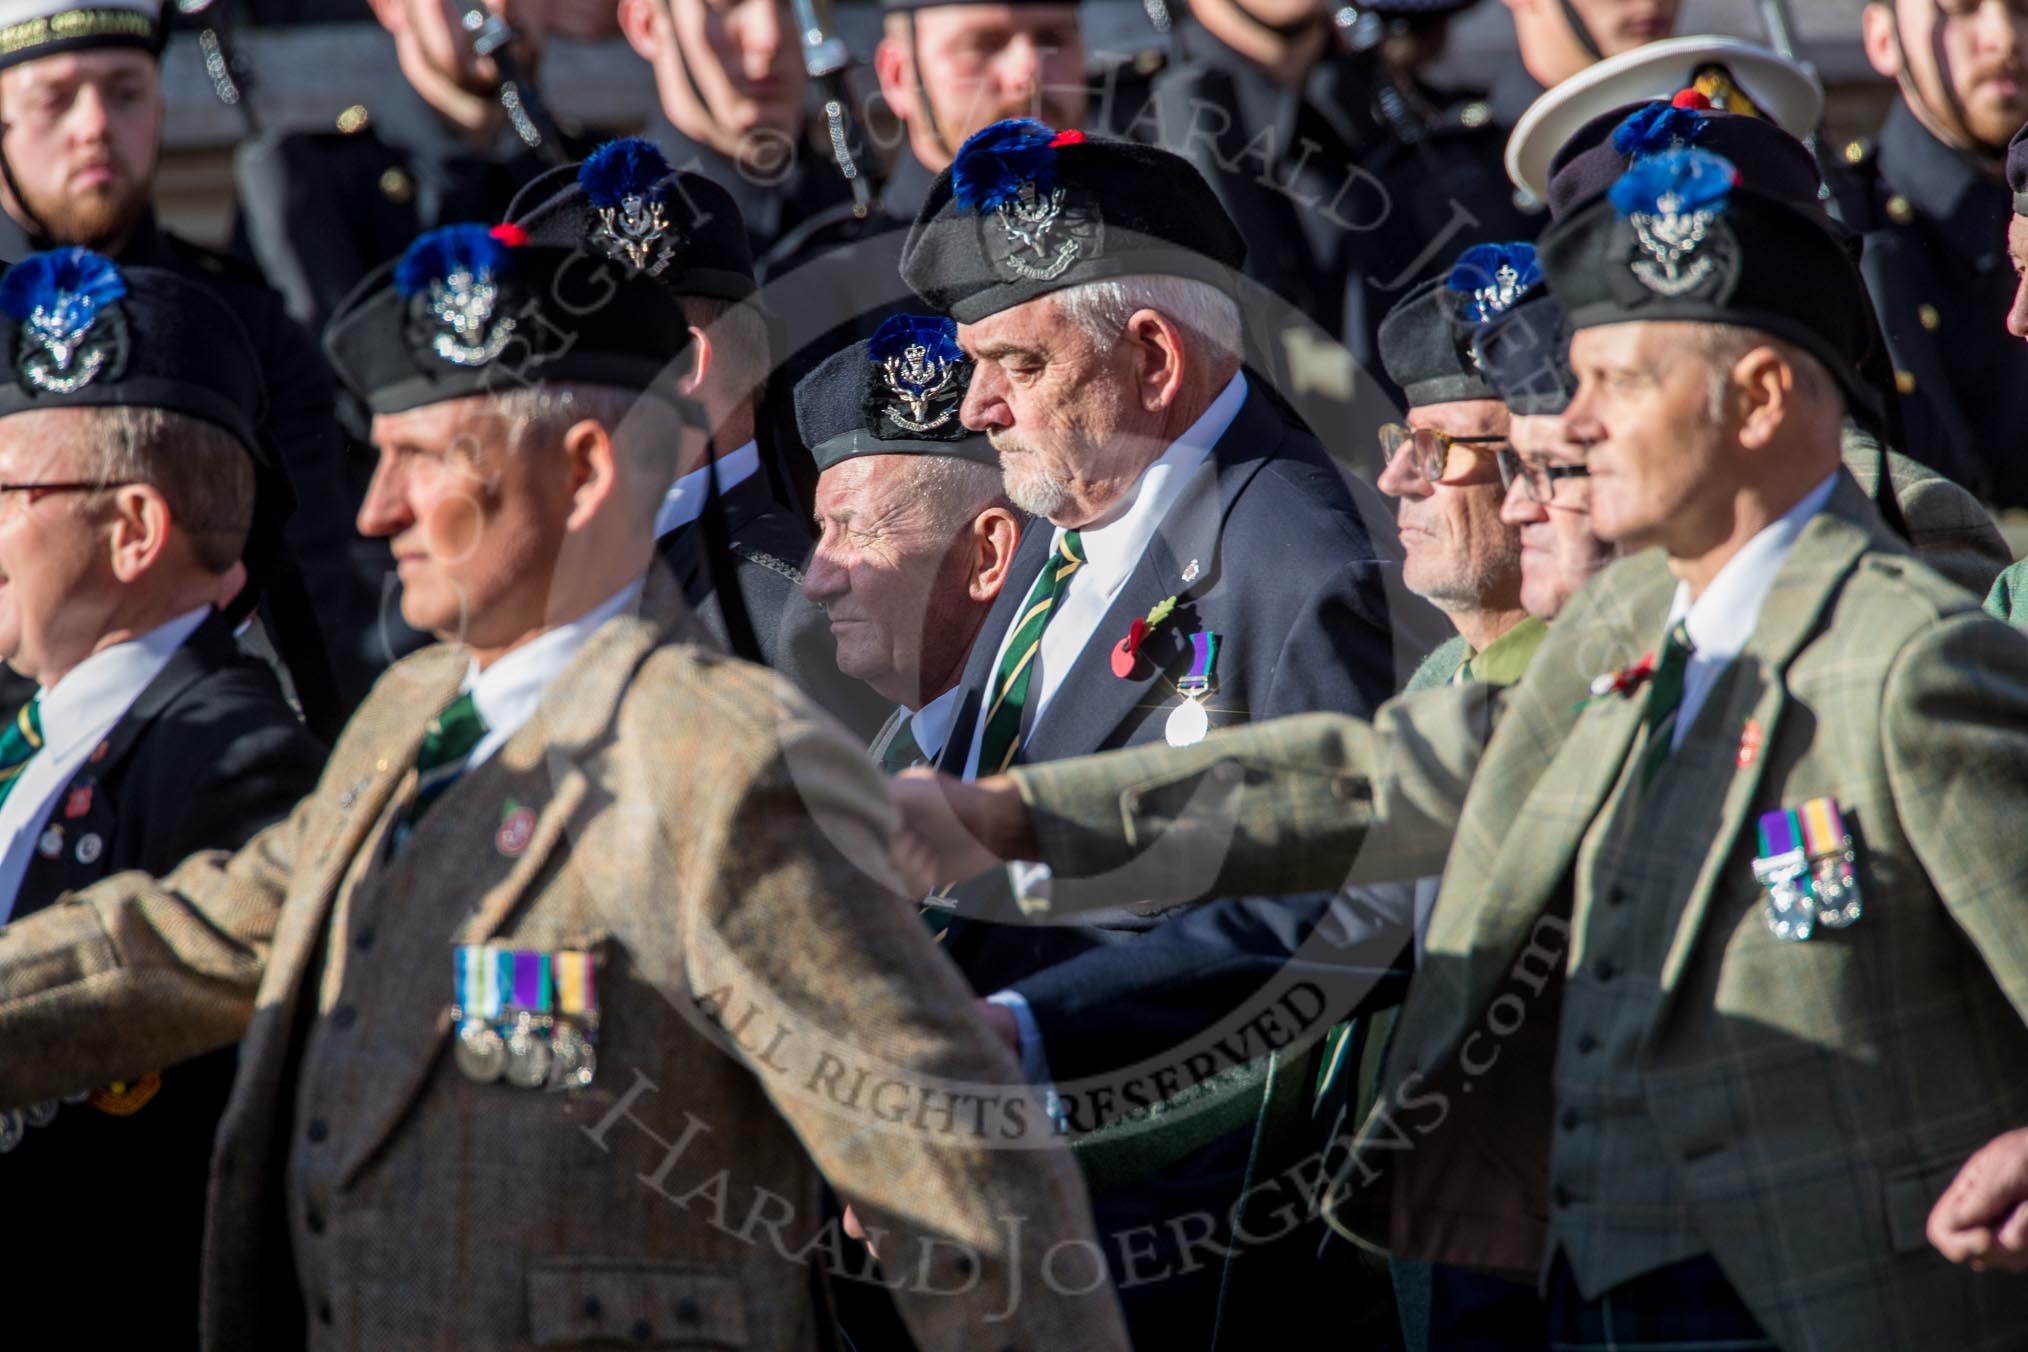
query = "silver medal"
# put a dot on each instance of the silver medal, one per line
(13, 1126)
(481, 1053)
(1187, 723)
(40, 1114)
(573, 1061)
(528, 1054)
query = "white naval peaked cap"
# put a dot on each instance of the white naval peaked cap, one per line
(1785, 92)
(36, 28)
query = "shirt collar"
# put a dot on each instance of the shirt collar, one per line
(1502, 661)
(931, 724)
(1724, 617)
(507, 692)
(92, 696)
(684, 502)
(1111, 550)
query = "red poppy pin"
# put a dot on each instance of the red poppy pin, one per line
(1127, 652)
(1622, 680)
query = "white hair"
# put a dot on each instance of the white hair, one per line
(1103, 308)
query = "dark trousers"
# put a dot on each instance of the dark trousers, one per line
(1685, 1307)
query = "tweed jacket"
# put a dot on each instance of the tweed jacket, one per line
(1815, 1098)
(765, 1000)
(1941, 520)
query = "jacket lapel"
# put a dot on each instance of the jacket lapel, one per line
(1824, 554)
(209, 648)
(540, 768)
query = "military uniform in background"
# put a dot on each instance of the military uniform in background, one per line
(1935, 228)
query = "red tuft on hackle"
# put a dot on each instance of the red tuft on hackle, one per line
(511, 235)
(1691, 98)
(1067, 138)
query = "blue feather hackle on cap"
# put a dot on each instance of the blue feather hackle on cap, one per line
(68, 285)
(1687, 180)
(444, 250)
(630, 166)
(900, 332)
(993, 164)
(1491, 277)
(1657, 128)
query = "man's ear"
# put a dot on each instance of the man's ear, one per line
(1765, 386)
(996, 533)
(1878, 35)
(592, 464)
(701, 355)
(1158, 346)
(897, 81)
(641, 22)
(140, 529)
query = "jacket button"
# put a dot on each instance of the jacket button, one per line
(364, 939)
(313, 1221)
(592, 1308)
(317, 1131)
(324, 1312)
(1570, 1119)
(1586, 1044)
(1604, 971)
(688, 1313)
(642, 1331)
(344, 1016)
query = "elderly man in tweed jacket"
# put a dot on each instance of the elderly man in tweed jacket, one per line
(580, 954)
(1729, 971)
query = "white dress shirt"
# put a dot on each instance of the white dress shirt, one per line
(77, 714)
(508, 692)
(931, 724)
(1725, 616)
(684, 502)
(1112, 550)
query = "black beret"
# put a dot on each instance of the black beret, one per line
(89, 333)
(1024, 211)
(1767, 158)
(2017, 169)
(468, 310)
(1678, 237)
(32, 29)
(1525, 355)
(1426, 339)
(625, 203)
(897, 393)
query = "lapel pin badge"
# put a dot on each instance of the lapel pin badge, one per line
(50, 844)
(517, 828)
(78, 803)
(1127, 652)
(90, 846)
(1190, 571)
(1749, 743)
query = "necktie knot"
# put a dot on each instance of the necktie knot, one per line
(1008, 697)
(1665, 699)
(446, 745)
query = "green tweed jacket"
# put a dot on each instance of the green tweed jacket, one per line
(1814, 1097)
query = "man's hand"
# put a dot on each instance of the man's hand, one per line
(952, 830)
(1005, 1026)
(1982, 1218)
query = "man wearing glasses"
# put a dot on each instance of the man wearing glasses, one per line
(126, 494)
(1442, 467)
